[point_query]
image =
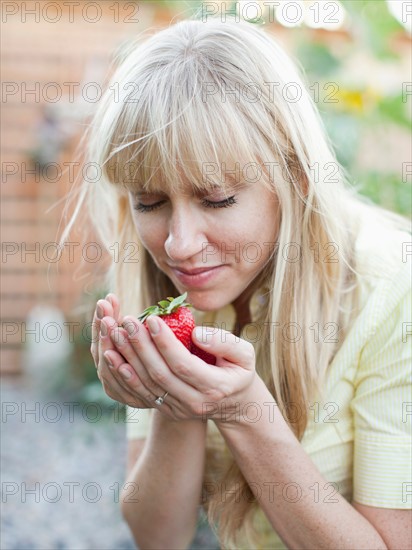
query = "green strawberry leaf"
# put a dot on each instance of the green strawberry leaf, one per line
(179, 300)
(151, 310)
(165, 307)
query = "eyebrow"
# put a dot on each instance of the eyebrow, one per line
(232, 184)
(232, 180)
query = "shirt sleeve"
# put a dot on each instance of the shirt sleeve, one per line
(137, 422)
(382, 406)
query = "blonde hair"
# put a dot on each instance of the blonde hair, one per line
(173, 115)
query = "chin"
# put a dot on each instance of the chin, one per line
(206, 301)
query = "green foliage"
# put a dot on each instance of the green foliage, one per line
(355, 108)
(376, 25)
(344, 131)
(316, 57)
(388, 190)
(394, 110)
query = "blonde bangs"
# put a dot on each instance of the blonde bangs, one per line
(172, 136)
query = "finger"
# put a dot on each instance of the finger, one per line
(99, 313)
(114, 339)
(123, 370)
(114, 302)
(158, 368)
(107, 325)
(229, 350)
(233, 355)
(122, 341)
(115, 390)
(186, 366)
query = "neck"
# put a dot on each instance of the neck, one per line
(242, 303)
(242, 308)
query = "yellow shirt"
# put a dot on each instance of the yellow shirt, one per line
(360, 437)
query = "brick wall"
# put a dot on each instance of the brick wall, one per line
(36, 52)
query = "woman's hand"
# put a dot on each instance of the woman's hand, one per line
(109, 306)
(107, 317)
(157, 362)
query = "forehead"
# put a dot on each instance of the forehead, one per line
(179, 156)
(203, 180)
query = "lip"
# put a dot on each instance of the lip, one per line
(198, 277)
(195, 271)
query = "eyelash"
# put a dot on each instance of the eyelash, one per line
(230, 201)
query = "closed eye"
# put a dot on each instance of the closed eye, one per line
(206, 203)
(220, 204)
(147, 207)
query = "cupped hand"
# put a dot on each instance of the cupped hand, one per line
(107, 317)
(157, 362)
(109, 306)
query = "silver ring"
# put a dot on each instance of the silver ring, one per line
(160, 400)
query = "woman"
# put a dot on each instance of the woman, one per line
(297, 437)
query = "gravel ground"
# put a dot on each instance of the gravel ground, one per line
(60, 475)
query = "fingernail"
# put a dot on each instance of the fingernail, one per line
(130, 327)
(201, 335)
(108, 361)
(99, 311)
(118, 337)
(152, 324)
(103, 329)
(125, 373)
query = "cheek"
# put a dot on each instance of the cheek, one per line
(149, 234)
(269, 216)
(258, 233)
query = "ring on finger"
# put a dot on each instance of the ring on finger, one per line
(160, 400)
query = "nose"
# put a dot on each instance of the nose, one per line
(185, 237)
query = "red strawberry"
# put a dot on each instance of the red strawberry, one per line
(204, 355)
(176, 314)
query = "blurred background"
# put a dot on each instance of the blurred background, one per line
(63, 441)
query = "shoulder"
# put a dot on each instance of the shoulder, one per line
(383, 262)
(380, 247)
(383, 329)
(377, 329)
